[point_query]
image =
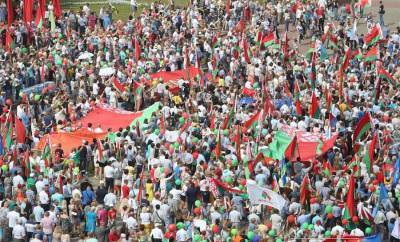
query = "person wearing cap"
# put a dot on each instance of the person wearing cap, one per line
(156, 234)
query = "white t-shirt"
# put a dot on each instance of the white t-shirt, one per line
(156, 233)
(109, 172)
(145, 218)
(181, 235)
(43, 197)
(38, 211)
(12, 218)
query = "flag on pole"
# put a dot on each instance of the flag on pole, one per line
(10, 13)
(20, 131)
(386, 76)
(268, 40)
(305, 190)
(218, 145)
(362, 127)
(373, 36)
(369, 156)
(28, 10)
(57, 8)
(315, 110)
(9, 132)
(349, 210)
(263, 196)
(46, 154)
(371, 55)
(251, 122)
(246, 51)
(137, 49)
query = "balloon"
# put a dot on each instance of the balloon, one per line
(305, 225)
(328, 209)
(344, 221)
(255, 85)
(243, 182)
(241, 187)
(162, 169)
(185, 115)
(234, 162)
(340, 183)
(9, 102)
(4, 168)
(37, 97)
(5, 110)
(178, 182)
(225, 132)
(272, 233)
(197, 238)
(310, 227)
(181, 120)
(171, 227)
(24, 50)
(157, 131)
(228, 179)
(197, 203)
(327, 233)
(279, 240)
(313, 200)
(354, 219)
(197, 211)
(250, 235)
(234, 232)
(179, 225)
(291, 219)
(368, 230)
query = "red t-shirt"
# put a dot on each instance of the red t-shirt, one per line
(125, 191)
(113, 236)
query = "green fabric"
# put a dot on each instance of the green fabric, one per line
(146, 114)
(8, 138)
(363, 130)
(278, 146)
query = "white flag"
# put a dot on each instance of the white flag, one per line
(263, 196)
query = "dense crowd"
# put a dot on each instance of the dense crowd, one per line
(263, 68)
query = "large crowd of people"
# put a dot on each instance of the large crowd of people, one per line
(263, 69)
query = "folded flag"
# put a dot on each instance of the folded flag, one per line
(263, 196)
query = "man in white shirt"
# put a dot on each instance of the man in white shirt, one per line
(39, 184)
(18, 231)
(109, 175)
(18, 180)
(235, 217)
(156, 233)
(44, 200)
(38, 211)
(131, 222)
(12, 216)
(110, 199)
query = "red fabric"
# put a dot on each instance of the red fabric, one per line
(304, 190)
(20, 131)
(290, 150)
(69, 141)
(375, 31)
(10, 13)
(363, 121)
(350, 197)
(57, 8)
(168, 76)
(225, 186)
(8, 40)
(314, 105)
(109, 118)
(251, 121)
(125, 191)
(371, 150)
(249, 92)
(28, 10)
(137, 50)
(329, 144)
(118, 85)
(227, 7)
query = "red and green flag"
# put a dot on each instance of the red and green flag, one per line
(217, 149)
(383, 74)
(305, 190)
(315, 110)
(27, 164)
(327, 168)
(268, 40)
(46, 154)
(229, 117)
(373, 36)
(371, 55)
(238, 141)
(349, 209)
(362, 127)
(252, 122)
(369, 156)
(297, 98)
(9, 132)
(247, 51)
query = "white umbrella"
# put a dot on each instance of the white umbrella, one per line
(85, 56)
(106, 71)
